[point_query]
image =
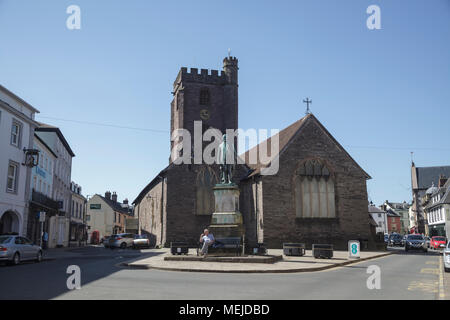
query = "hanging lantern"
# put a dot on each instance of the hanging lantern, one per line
(31, 157)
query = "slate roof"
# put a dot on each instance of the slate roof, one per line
(12, 94)
(116, 206)
(43, 127)
(285, 136)
(392, 213)
(372, 221)
(445, 196)
(426, 176)
(375, 209)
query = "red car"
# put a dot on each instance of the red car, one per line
(438, 242)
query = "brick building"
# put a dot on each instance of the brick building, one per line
(318, 195)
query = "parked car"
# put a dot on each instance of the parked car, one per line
(438, 243)
(427, 241)
(446, 256)
(386, 238)
(415, 242)
(105, 241)
(404, 240)
(122, 240)
(141, 241)
(14, 249)
(395, 239)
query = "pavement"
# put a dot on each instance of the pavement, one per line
(306, 263)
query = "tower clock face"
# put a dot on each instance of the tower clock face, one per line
(204, 114)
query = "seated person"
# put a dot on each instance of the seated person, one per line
(207, 239)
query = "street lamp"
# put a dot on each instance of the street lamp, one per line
(31, 157)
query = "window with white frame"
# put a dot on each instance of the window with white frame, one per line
(13, 174)
(16, 129)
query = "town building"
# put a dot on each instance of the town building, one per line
(380, 218)
(106, 215)
(59, 224)
(437, 208)
(422, 178)
(318, 195)
(78, 227)
(394, 221)
(402, 209)
(41, 191)
(17, 123)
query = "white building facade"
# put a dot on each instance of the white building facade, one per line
(17, 126)
(380, 218)
(59, 224)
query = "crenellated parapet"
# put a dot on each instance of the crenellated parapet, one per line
(204, 76)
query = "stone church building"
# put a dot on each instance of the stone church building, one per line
(319, 194)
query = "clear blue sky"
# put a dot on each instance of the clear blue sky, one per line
(381, 93)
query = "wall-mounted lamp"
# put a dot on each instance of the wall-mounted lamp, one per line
(31, 157)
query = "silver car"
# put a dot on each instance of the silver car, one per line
(122, 240)
(141, 241)
(446, 256)
(14, 249)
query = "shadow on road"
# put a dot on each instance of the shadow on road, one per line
(48, 279)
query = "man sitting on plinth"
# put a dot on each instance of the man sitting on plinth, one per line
(207, 239)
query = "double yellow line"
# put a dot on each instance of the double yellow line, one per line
(441, 278)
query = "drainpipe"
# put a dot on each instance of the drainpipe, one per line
(162, 210)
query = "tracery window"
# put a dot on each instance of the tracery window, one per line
(314, 191)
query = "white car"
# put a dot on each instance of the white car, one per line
(446, 256)
(122, 240)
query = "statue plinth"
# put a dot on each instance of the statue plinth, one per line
(226, 220)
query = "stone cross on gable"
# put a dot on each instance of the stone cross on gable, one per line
(307, 101)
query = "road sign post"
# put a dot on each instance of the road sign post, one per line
(41, 221)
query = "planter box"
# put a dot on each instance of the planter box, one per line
(294, 249)
(322, 251)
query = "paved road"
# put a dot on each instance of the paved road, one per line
(403, 276)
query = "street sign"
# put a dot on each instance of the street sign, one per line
(354, 249)
(42, 216)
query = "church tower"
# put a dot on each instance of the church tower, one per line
(209, 97)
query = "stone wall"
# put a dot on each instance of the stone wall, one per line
(280, 221)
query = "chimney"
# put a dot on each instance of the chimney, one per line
(125, 201)
(114, 196)
(442, 181)
(108, 195)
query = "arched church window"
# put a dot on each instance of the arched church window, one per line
(314, 190)
(204, 97)
(205, 182)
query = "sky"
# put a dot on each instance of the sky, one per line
(382, 93)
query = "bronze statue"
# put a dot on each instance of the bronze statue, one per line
(226, 156)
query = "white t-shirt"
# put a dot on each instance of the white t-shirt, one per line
(208, 238)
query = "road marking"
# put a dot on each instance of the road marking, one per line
(433, 262)
(430, 271)
(425, 285)
(441, 279)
